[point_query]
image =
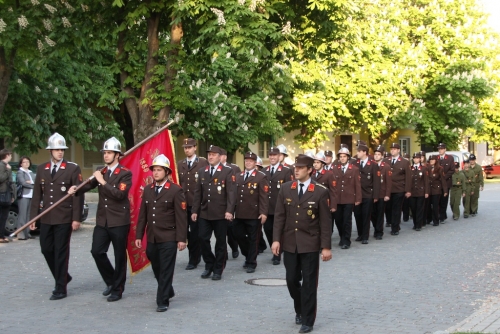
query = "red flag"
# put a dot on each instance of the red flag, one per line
(138, 161)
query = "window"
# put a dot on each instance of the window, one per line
(405, 145)
(470, 146)
(489, 149)
(263, 148)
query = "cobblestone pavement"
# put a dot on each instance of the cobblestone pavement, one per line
(443, 278)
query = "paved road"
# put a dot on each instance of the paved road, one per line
(417, 282)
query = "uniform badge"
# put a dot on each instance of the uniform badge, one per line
(294, 185)
(219, 189)
(63, 188)
(266, 189)
(196, 176)
(251, 192)
(313, 216)
(183, 205)
(80, 177)
(215, 181)
(309, 212)
(123, 186)
(288, 200)
(311, 187)
(334, 183)
(233, 178)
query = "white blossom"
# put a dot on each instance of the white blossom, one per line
(56, 90)
(196, 124)
(251, 51)
(241, 2)
(69, 7)
(66, 22)
(220, 16)
(214, 59)
(10, 9)
(23, 22)
(39, 45)
(19, 81)
(201, 131)
(51, 9)
(180, 2)
(37, 89)
(287, 29)
(47, 24)
(195, 51)
(85, 8)
(265, 99)
(230, 81)
(35, 2)
(215, 74)
(256, 60)
(228, 54)
(2, 25)
(49, 41)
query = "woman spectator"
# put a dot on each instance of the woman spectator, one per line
(438, 186)
(5, 186)
(25, 177)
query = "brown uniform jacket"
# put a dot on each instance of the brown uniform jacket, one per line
(252, 195)
(163, 214)
(113, 207)
(385, 179)
(437, 183)
(303, 225)
(370, 179)
(49, 190)
(215, 195)
(448, 165)
(327, 180)
(281, 175)
(401, 175)
(419, 181)
(189, 177)
(348, 185)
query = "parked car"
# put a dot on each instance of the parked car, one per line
(492, 170)
(458, 156)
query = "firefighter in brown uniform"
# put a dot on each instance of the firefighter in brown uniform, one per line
(277, 175)
(302, 228)
(52, 182)
(231, 239)
(252, 206)
(401, 186)
(448, 163)
(437, 187)
(163, 211)
(213, 208)
(325, 177)
(384, 194)
(348, 196)
(112, 219)
(370, 188)
(328, 160)
(188, 177)
(419, 191)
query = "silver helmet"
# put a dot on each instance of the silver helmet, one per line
(161, 161)
(320, 157)
(259, 162)
(56, 142)
(112, 144)
(344, 150)
(283, 149)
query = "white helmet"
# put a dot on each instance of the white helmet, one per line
(112, 144)
(320, 157)
(56, 142)
(282, 149)
(161, 161)
(259, 162)
(344, 150)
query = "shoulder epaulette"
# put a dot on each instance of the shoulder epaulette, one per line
(320, 185)
(71, 162)
(262, 173)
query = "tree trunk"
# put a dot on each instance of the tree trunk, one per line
(6, 66)
(380, 139)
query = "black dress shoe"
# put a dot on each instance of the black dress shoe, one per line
(107, 291)
(466, 216)
(114, 298)
(298, 319)
(276, 262)
(217, 277)
(437, 224)
(344, 247)
(473, 215)
(161, 308)
(305, 329)
(364, 242)
(190, 267)
(250, 270)
(245, 266)
(69, 280)
(261, 251)
(394, 233)
(58, 295)
(418, 229)
(378, 238)
(358, 239)
(387, 225)
(236, 254)
(206, 274)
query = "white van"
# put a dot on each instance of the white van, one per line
(458, 156)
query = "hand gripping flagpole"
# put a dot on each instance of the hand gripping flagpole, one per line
(13, 234)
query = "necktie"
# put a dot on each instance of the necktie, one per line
(158, 189)
(317, 174)
(326, 167)
(246, 176)
(109, 174)
(393, 162)
(212, 171)
(189, 164)
(53, 171)
(343, 169)
(362, 164)
(301, 191)
(272, 171)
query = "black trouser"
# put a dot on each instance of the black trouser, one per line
(406, 209)
(231, 239)
(54, 242)
(443, 206)
(303, 267)
(101, 239)
(362, 213)
(162, 256)
(417, 210)
(4, 215)
(388, 211)
(433, 208)
(217, 262)
(426, 213)
(396, 206)
(193, 240)
(247, 233)
(268, 230)
(377, 217)
(333, 219)
(343, 220)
